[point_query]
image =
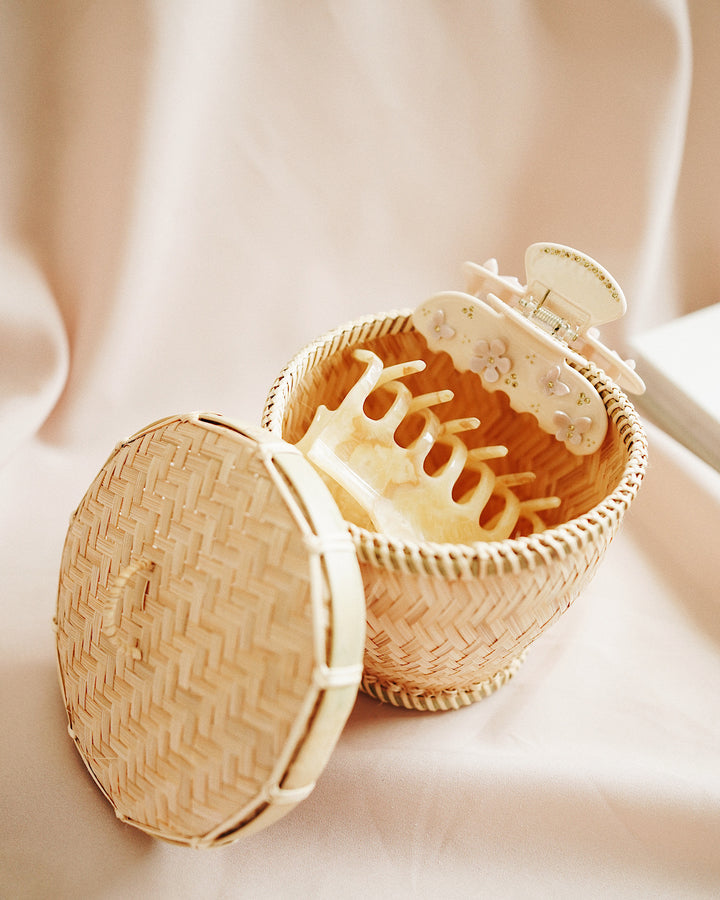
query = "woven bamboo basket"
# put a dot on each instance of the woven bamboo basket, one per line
(447, 624)
(216, 615)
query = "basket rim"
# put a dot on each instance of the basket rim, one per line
(478, 559)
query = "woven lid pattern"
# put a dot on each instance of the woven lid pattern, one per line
(195, 630)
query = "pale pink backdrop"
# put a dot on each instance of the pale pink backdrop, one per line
(191, 191)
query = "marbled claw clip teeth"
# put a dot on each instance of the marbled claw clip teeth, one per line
(395, 487)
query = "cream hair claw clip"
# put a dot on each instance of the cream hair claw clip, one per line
(405, 471)
(522, 340)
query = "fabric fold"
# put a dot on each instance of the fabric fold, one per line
(34, 352)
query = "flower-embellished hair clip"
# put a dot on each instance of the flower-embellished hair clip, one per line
(521, 339)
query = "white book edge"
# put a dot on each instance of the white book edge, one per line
(680, 364)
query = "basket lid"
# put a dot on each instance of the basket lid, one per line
(210, 628)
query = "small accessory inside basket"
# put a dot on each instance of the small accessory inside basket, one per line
(416, 480)
(524, 340)
(403, 471)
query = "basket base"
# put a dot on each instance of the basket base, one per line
(431, 701)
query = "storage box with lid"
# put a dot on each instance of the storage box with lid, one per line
(217, 614)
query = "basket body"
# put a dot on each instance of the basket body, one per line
(449, 623)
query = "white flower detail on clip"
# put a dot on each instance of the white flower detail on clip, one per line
(440, 326)
(551, 385)
(489, 360)
(570, 431)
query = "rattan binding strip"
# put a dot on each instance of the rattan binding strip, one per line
(396, 695)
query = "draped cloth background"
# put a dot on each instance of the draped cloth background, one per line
(190, 192)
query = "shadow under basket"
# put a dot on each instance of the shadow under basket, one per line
(447, 624)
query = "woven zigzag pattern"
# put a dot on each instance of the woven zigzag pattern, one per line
(458, 635)
(186, 632)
